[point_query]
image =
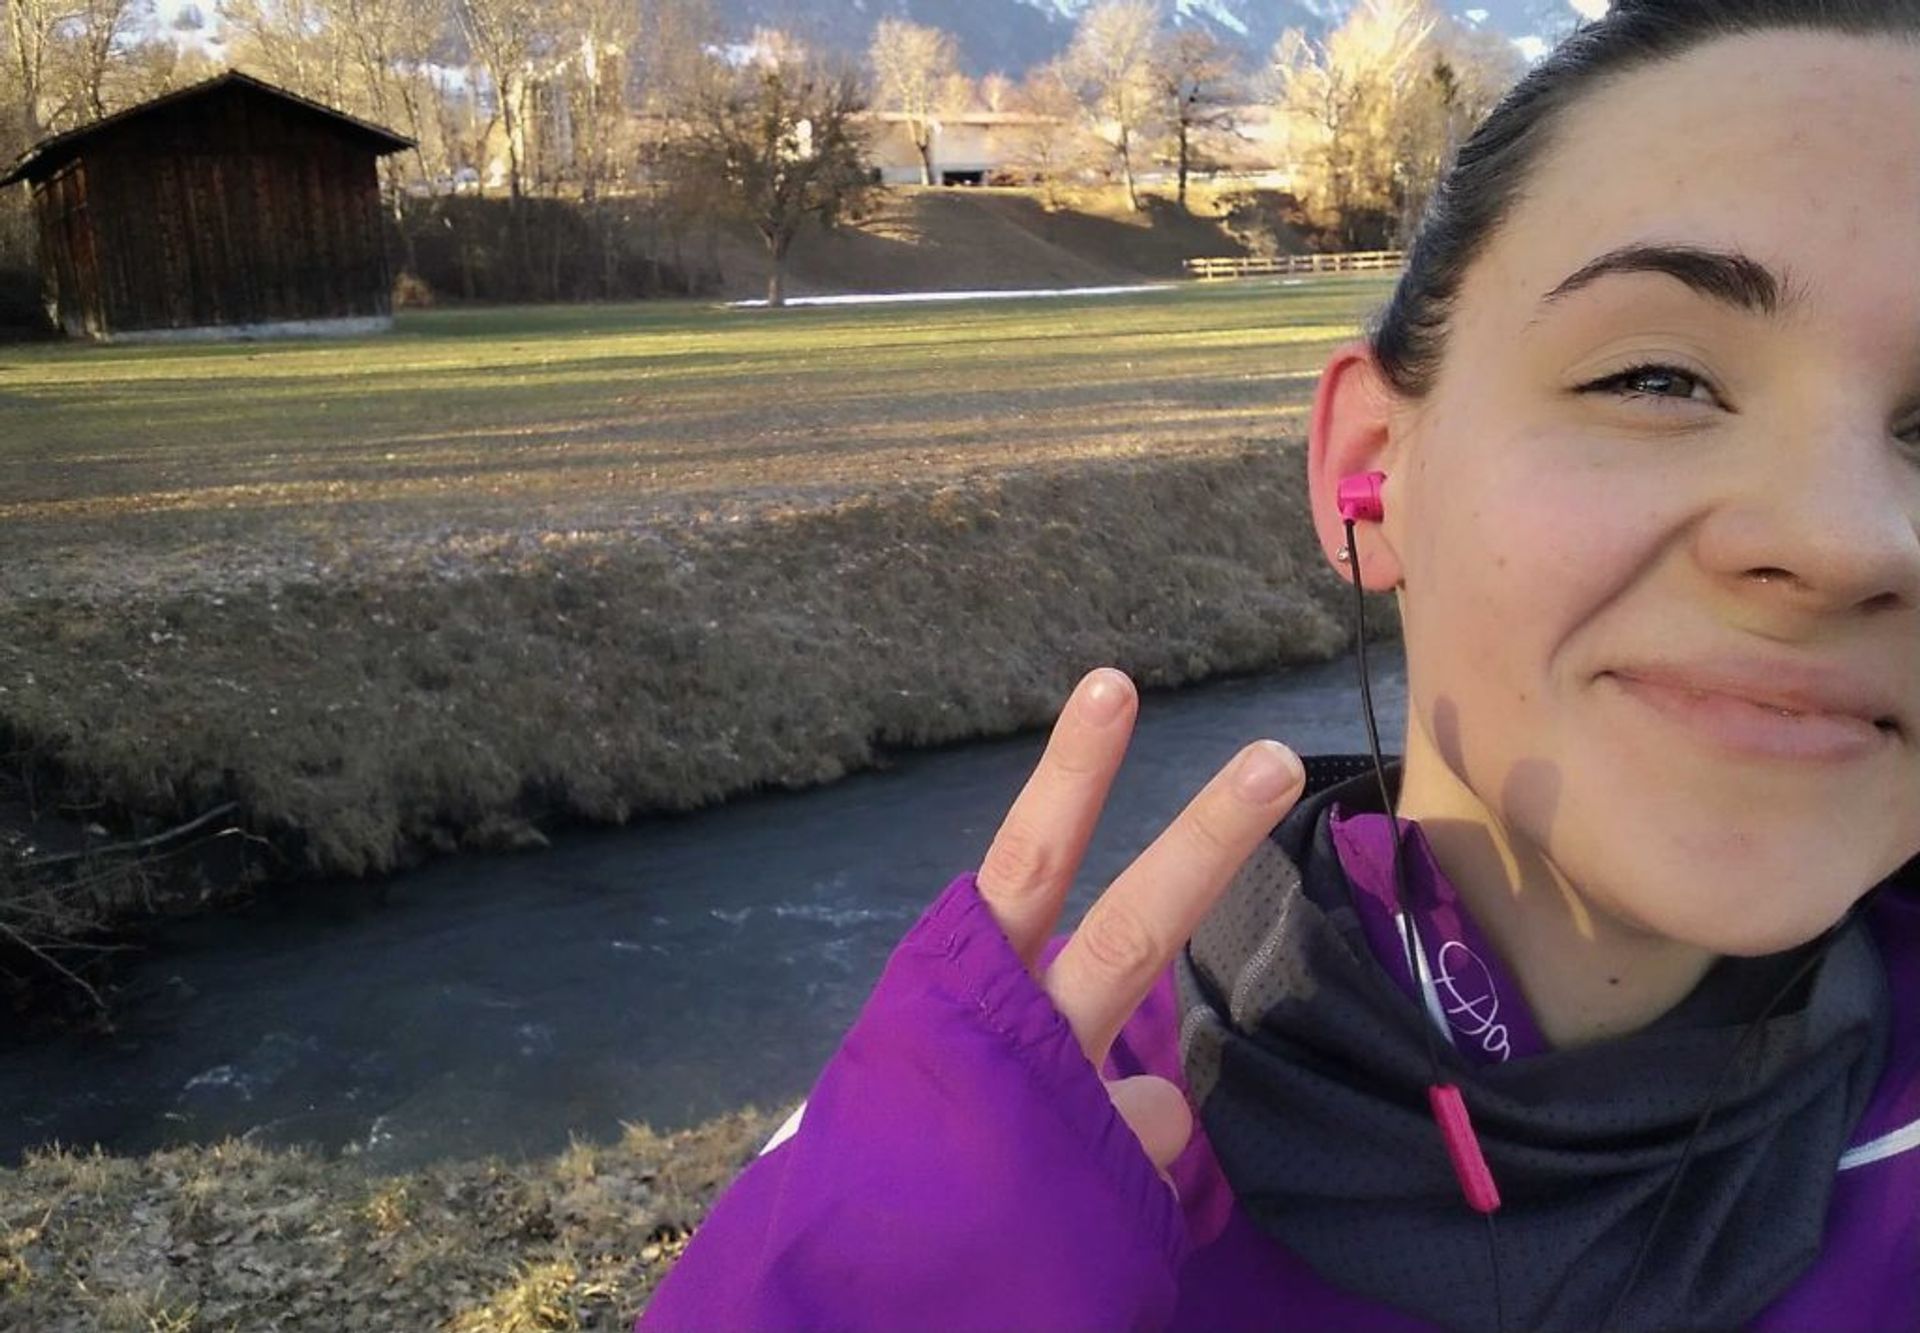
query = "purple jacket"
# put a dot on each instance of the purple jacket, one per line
(959, 1166)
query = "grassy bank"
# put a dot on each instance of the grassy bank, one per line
(234, 1237)
(509, 567)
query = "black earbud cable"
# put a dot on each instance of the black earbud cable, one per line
(1409, 937)
(1410, 940)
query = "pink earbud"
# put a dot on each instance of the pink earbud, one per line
(1360, 498)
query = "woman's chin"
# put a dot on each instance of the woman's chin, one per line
(1745, 860)
(1747, 909)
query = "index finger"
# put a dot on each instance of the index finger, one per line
(1036, 853)
(1144, 918)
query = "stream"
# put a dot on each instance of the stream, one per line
(664, 972)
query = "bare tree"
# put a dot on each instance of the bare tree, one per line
(151, 68)
(503, 36)
(912, 69)
(1482, 65)
(95, 31)
(295, 42)
(778, 46)
(958, 94)
(389, 46)
(596, 39)
(1195, 75)
(672, 55)
(1462, 74)
(778, 145)
(1110, 66)
(1351, 95)
(31, 38)
(997, 91)
(1052, 144)
(62, 59)
(1385, 104)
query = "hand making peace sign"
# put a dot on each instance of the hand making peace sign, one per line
(1146, 915)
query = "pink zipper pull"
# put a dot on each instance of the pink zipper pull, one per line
(1469, 1163)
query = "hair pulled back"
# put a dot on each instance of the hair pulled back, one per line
(1485, 181)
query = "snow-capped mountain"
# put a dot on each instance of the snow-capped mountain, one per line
(1013, 35)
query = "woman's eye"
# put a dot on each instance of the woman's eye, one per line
(1911, 438)
(1652, 381)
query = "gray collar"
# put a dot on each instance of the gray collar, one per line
(1309, 1069)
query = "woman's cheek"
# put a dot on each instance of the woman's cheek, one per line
(1531, 551)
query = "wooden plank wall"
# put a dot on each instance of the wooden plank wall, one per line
(235, 209)
(69, 257)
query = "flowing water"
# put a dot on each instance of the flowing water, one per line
(662, 972)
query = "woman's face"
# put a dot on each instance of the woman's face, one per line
(1601, 563)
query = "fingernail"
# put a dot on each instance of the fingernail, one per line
(1267, 773)
(1105, 696)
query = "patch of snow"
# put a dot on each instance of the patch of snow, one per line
(912, 298)
(841, 918)
(1066, 11)
(1214, 10)
(221, 1076)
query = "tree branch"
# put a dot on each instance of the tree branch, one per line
(141, 844)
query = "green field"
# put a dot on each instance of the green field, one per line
(581, 415)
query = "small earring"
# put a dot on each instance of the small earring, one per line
(1345, 556)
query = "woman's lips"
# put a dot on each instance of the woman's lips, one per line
(1754, 730)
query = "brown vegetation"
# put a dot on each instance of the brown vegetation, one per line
(363, 716)
(236, 1237)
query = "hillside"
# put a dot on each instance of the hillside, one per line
(969, 239)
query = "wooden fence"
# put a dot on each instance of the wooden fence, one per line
(1246, 266)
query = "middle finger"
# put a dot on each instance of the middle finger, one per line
(1133, 931)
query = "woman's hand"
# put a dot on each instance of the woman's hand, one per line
(1145, 917)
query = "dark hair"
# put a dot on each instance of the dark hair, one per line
(1481, 188)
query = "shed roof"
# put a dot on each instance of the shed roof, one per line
(50, 154)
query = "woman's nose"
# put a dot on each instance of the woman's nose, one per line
(1832, 524)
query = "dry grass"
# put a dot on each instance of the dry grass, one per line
(235, 1237)
(504, 568)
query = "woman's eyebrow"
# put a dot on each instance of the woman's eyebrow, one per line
(1727, 276)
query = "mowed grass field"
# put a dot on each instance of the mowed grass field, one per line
(155, 462)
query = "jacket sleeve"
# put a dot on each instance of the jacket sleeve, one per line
(958, 1165)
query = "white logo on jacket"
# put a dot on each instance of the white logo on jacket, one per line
(1472, 1002)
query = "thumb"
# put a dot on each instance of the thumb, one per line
(1158, 1114)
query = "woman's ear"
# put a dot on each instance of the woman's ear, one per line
(1349, 434)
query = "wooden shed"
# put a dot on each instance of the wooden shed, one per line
(231, 208)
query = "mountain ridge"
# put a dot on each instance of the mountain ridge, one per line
(1013, 36)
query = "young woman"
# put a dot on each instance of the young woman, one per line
(1618, 1024)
